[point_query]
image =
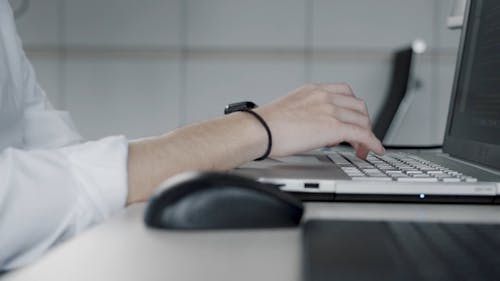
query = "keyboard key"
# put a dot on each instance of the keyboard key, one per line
(397, 176)
(470, 179)
(394, 172)
(371, 179)
(421, 176)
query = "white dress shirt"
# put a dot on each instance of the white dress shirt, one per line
(52, 185)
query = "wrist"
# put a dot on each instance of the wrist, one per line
(248, 107)
(251, 134)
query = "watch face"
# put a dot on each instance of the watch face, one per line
(239, 106)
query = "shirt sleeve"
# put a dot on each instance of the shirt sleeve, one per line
(52, 186)
(47, 196)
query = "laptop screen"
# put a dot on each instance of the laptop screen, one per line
(475, 115)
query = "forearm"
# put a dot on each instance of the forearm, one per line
(310, 117)
(218, 144)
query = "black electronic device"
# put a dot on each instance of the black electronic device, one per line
(397, 250)
(239, 106)
(401, 72)
(213, 200)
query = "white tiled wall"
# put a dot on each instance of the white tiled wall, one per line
(446, 38)
(417, 125)
(376, 24)
(40, 26)
(246, 24)
(143, 67)
(39, 29)
(119, 23)
(105, 96)
(129, 81)
(49, 76)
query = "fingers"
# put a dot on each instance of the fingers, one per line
(353, 124)
(342, 95)
(358, 136)
(351, 103)
(337, 88)
(346, 115)
(361, 151)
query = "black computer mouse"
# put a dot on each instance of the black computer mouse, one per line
(213, 200)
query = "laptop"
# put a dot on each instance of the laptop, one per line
(466, 170)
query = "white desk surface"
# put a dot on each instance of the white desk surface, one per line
(124, 249)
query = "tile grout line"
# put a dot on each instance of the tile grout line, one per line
(308, 39)
(62, 55)
(182, 115)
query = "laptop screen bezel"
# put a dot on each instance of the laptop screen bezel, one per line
(470, 150)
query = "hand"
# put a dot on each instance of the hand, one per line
(319, 115)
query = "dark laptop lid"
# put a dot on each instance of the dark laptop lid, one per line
(473, 128)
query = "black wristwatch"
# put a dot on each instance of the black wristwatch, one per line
(239, 106)
(247, 106)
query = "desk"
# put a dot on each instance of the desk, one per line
(124, 249)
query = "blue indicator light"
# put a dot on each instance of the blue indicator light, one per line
(422, 196)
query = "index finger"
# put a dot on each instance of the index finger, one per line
(338, 88)
(354, 134)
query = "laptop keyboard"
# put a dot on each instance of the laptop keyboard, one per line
(401, 167)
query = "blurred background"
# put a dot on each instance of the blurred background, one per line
(142, 68)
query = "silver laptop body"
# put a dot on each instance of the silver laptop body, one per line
(466, 170)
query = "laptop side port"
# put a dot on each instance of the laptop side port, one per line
(311, 185)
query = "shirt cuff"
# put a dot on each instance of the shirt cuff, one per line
(100, 168)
